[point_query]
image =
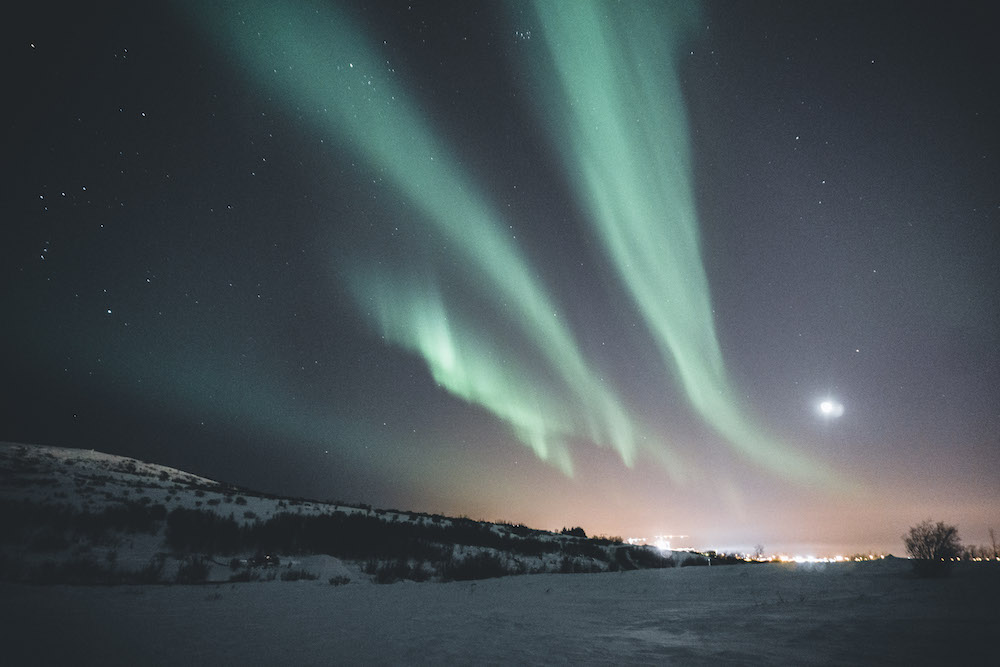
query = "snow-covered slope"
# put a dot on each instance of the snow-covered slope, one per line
(84, 516)
(89, 480)
(64, 475)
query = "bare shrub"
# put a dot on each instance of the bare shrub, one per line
(933, 546)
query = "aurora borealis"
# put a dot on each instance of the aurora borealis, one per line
(586, 263)
(359, 104)
(627, 140)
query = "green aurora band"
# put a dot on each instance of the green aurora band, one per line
(318, 59)
(618, 107)
(615, 103)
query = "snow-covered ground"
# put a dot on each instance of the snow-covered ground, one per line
(852, 613)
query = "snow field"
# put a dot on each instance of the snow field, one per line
(864, 613)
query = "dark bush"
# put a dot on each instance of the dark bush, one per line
(519, 529)
(130, 517)
(193, 570)
(199, 530)
(649, 557)
(694, 561)
(389, 572)
(571, 565)
(567, 565)
(624, 561)
(346, 536)
(586, 548)
(484, 565)
(152, 573)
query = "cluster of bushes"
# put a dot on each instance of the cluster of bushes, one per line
(203, 531)
(397, 569)
(82, 570)
(482, 565)
(392, 550)
(365, 537)
(54, 527)
(194, 570)
(353, 536)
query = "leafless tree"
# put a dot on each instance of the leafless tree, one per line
(933, 546)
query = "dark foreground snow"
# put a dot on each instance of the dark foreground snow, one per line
(866, 613)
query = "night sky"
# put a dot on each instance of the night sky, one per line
(726, 271)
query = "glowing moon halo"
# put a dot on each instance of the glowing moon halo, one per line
(830, 408)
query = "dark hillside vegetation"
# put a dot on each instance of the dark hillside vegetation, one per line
(79, 516)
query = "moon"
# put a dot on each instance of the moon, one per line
(830, 408)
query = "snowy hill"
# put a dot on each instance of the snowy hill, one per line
(91, 481)
(64, 475)
(82, 516)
